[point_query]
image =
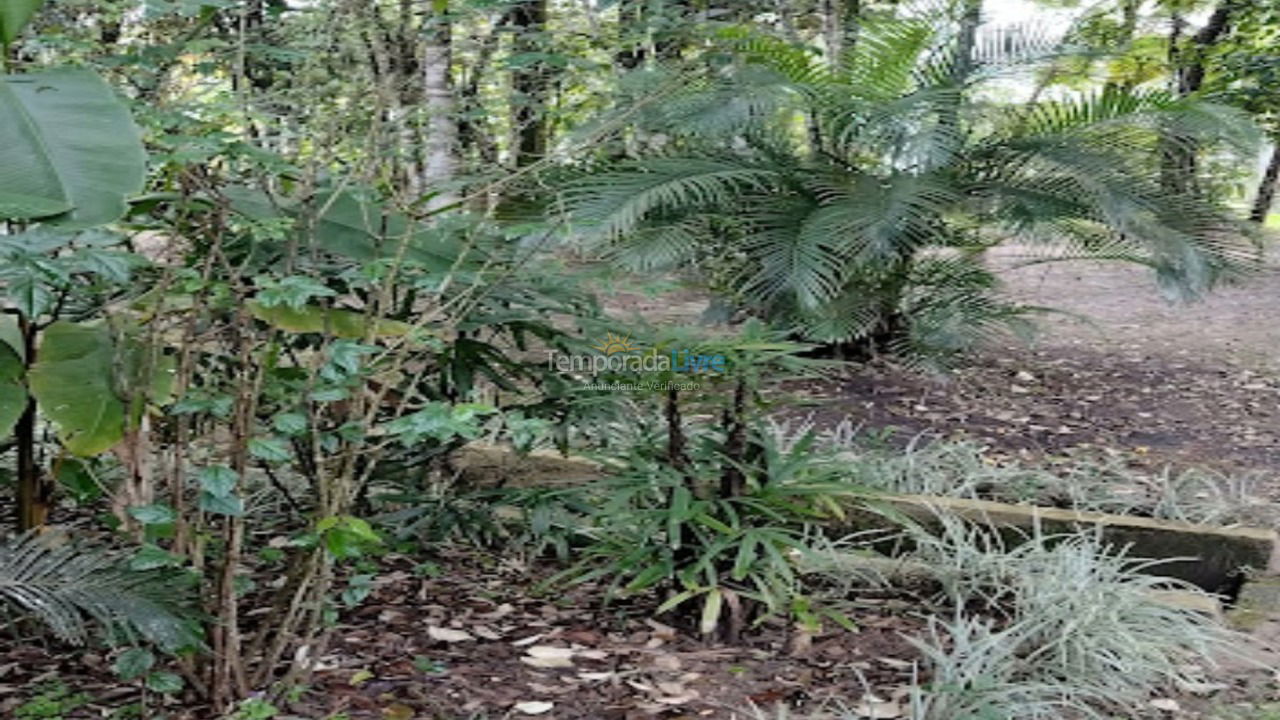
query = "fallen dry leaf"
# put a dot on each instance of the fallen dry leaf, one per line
(549, 651)
(534, 707)
(878, 710)
(448, 635)
(397, 711)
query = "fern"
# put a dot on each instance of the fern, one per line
(68, 589)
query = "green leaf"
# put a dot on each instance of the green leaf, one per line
(69, 146)
(13, 396)
(165, 683)
(28, 292)
(273, 450)
(133, 663)
(217, 479)
(76, 478)
(14, 15)
(11, 335)
(312, 319)
(111, 265)
(221, 504)
(294, 291)
(153, 514)
(711, 611)
(290, 423)
(72, 383)
(151, 557)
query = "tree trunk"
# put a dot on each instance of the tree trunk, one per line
(733, 482)
(440, 164)
(474, 137)
(1191, 74)
(1179, 156)
(833, 15)
(676, 455)
(35, 491)
(1267, 188)
(531, 84)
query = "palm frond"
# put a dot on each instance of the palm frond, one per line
(616, 202)
(883, 64)
(69, 588)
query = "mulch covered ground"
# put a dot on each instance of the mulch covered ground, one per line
(1153, 410)
(476, 641)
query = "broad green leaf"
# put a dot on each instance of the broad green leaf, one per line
(217, 479)
(68, 147)
(28, 292)
(151, 557)
(221, 504)
(71, 381)
(157, 514)
(273, 450)
(311, 319)
(14, 15)
(165, 683)
(11, 335)
(133, 663)
(77, 479)
(13, 396)
(354, 228)
(294, 291)
(351, 227)
(290, 423)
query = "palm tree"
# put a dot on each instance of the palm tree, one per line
(853, 201)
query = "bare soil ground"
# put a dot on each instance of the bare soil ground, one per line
(1117, 369)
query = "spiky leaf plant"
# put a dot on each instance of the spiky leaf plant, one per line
(854, 201)
(71, 588)
(1071, 625)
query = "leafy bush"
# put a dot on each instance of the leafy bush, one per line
(655, 526)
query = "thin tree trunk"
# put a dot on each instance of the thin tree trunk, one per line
(530, 84)
(676, 455)
(473, 132)
(1180, 155)
(833, 26)
(440, 165)
(35, 492)
(1267, 188)
(1191, 74)
(733, 482)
